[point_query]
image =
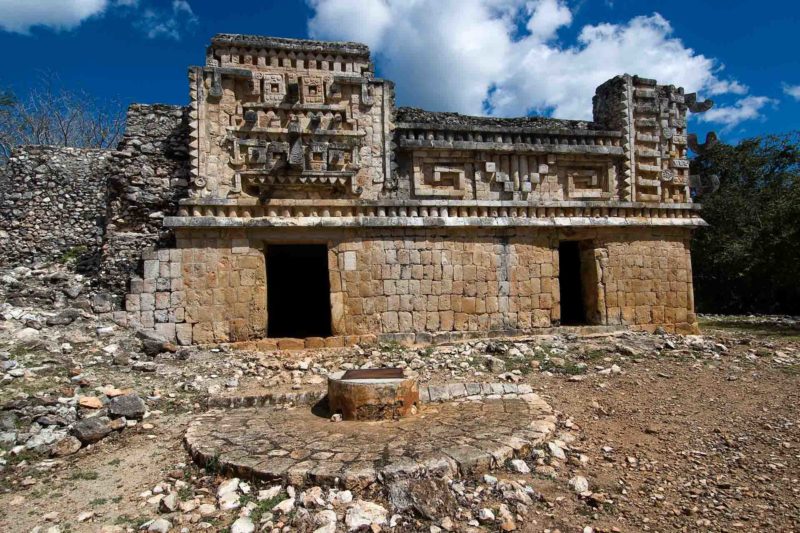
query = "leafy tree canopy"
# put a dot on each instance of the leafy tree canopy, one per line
(748, 259)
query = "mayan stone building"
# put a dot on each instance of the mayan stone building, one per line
(313, 208)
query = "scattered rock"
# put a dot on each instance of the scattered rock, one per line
(90, 402)
(129, 406)
(364, 514)
(520, 466)
(579, 484)
(169, 503)
(154, 343)
(285, 507)
(429, 497)
(66, 446)
(206, 510)
(26, 335)
(507, 522)
(159, 525)
(556, 451)
(243, 525)
(269, 493)
(91, 430)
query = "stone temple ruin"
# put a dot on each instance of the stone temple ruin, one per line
(291, 203)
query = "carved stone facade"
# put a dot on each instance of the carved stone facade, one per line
(431, 225)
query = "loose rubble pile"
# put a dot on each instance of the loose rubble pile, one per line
(630, 453)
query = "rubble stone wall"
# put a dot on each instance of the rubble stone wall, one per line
(147, 176)
(102, 207)
(52, 204)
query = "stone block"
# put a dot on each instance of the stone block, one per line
(291, 344)
(133, 302)
(147, 302)
(162, 300)
(147, 320)
(167, 330)
(183, 334)
(151, 269)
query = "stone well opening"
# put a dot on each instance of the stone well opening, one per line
(373, 394)
(298, 290)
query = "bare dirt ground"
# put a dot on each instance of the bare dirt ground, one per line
(671, 433)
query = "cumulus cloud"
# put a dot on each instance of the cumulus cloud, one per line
(170, 23)
(20, 16)
(792, 90)
(504, 57)
(747, 108)
(546, 17)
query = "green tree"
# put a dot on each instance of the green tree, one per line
(748, 259)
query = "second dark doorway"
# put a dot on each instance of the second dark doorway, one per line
(298, 291)
(573, 311)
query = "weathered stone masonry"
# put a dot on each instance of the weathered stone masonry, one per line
(436, 225)
(52, 202)
(104, 206)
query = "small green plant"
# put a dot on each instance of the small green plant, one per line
(184, 493)
(97, 502)
(212, 466)
(124, 520)
(391, 347)
(71, 255)
(88, 475)
(23, 456)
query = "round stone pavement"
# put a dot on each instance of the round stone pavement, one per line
(301, 446)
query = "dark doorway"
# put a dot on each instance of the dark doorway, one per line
(298, 291)
(569, 281)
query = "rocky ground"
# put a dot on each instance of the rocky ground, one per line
(656, 432)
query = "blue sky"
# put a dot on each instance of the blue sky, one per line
(504, 57)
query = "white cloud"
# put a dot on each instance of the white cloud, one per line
(792, 90)
(468, 55)
(168, 24)
(20, 16)
(747, 108)
(375, 14)
(546, 17)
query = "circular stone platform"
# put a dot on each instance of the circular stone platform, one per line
(300, 447)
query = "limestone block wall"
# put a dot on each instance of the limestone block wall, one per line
(646, 279)
(418, 281)
(213, 286)
(224, 280)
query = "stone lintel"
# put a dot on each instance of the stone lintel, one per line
(611, 204)
(425, 222)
